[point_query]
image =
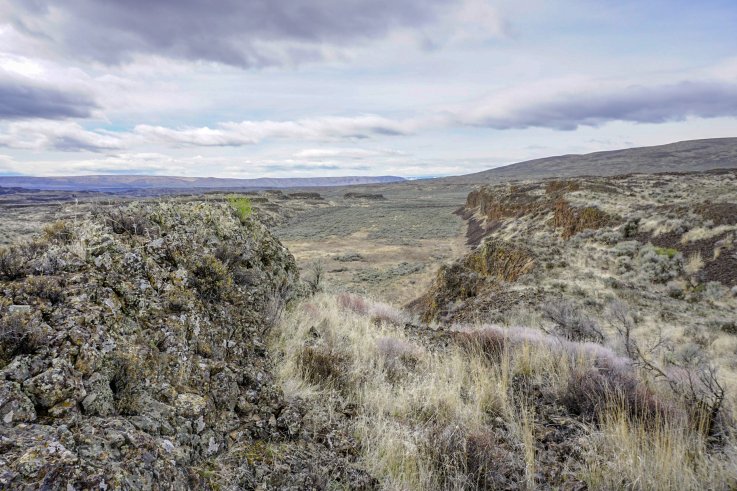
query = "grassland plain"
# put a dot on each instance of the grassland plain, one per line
(550, 334)
(397, 243)
(588, 342)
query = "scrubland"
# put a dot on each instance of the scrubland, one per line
(489, 407)
(586, 340)
(581, 335)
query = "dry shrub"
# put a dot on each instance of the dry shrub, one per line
(353, 303)
(45, 287)
(12, 263)
(177, 300)
(59, 231)
(573, 220)
(446, 448)
(127, 378)
(210, 277)
(398, 356)
(489, 342)
(489, 465)
(228, 254)
(133, 222)
(381, 312)
(571, 323)
(592, 393)
(314, 280)
(478, 459)
(18, 336)
(321, 365)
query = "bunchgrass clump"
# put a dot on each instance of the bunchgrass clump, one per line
(478, 407)
(242, 206)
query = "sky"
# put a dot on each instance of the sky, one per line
(303, 88)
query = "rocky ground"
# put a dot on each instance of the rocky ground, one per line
(141, 347)
(133, 357)
(586, 342)
(661, 245)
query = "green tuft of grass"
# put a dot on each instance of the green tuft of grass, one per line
(668, 252)
(241, 205)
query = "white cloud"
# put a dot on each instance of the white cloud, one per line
(345, 153)
(567, 104)
(251, 132)
(59, 135)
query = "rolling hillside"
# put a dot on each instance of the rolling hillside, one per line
(685, 156)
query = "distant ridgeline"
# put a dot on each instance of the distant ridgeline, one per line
(131, 182)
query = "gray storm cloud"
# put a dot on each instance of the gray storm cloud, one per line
(23, 99)
(560, 105)
(590, 104)
(235, 32)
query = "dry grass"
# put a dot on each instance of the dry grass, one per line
(431, 415)
(703, 233)
(694, 263)
(665, 457)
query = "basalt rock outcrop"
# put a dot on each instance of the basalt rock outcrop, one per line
(482, 276)
(132, 356)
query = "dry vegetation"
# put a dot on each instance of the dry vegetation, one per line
(389, 247)
(587, 341)
(623, 378)
(490, 407)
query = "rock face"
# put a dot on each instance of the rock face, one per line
(132, 353)
(481, 276)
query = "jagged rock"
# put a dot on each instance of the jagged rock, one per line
(15, 406)
(149, 362)
(20, 309)
(57, 384)
(100, 398)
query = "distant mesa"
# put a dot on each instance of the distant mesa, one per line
(15, 190)
(137, 182)
(305, 195)
(363, 196)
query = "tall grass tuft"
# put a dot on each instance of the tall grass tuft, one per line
(478, 407)
(242, 206)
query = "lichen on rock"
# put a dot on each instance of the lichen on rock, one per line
(148, 364)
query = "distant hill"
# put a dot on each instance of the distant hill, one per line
(685, 156)
(130, 182)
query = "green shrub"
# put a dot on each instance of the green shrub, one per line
(242, 206)
(668, 252)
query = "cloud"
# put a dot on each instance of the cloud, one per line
(26, 98)
(251, 132)
(345, 153)
(69, 136)
(62, 136)
(559, 105)
(246, 33)
(569, 104)
(153, 163)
